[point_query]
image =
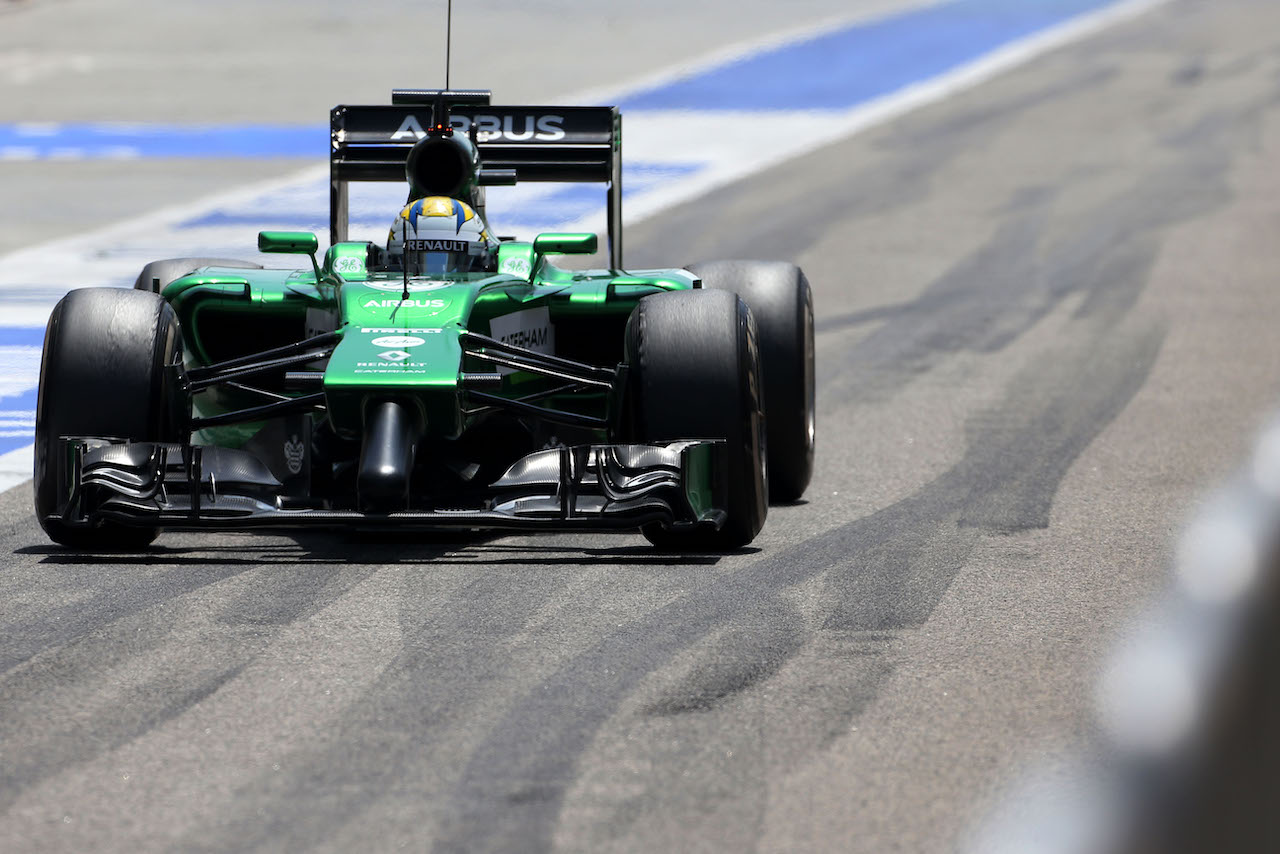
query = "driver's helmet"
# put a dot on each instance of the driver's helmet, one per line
(442, 235)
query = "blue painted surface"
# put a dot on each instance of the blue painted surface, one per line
(13, 437)
(865, 61)
(99, 141)
(21, 336)
(833, 71)
(10, 443)
(18, 411)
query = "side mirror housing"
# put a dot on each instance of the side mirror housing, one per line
(288, 242)
(565, 244)
(291, 243)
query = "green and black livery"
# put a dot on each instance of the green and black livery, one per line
(218, 394)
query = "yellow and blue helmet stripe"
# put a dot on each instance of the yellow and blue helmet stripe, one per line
(438, 206)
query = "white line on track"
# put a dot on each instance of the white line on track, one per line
(15, 467)
(23, 67)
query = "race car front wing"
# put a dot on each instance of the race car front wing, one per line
(585, 487)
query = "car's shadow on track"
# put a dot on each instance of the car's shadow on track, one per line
(450, 549)
(499, 555)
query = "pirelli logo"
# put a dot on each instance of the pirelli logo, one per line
(421, 244)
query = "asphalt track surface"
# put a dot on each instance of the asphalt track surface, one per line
(1046, 315)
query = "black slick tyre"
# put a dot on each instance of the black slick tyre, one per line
(103, 374)
(781, 302)
(157, 274)
(694, 373)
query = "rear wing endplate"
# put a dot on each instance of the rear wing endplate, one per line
(370, 143)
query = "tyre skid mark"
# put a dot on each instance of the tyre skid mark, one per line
(419, 697)
(58, 744)
(883, 573)
(887, 572)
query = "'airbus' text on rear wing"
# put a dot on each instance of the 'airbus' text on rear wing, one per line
(538, 143)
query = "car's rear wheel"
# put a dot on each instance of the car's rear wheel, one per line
(694, 373)
(157, 274)
(103, 373)
(781, 302)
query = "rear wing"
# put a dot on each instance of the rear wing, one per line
(370, 143)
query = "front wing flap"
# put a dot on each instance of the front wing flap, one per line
(584, 487)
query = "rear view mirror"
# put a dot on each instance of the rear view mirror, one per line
(291, 243)
(288, 242)
(565, 244)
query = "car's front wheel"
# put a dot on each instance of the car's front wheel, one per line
(104, 373)
(694, 373)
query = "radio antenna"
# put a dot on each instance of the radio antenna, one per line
(404, 243)
(448, 42)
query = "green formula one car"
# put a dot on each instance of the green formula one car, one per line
(446, 378)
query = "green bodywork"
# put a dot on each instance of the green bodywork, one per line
(344, 391)
(409, 349)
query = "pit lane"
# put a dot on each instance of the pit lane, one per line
(1045, 311)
